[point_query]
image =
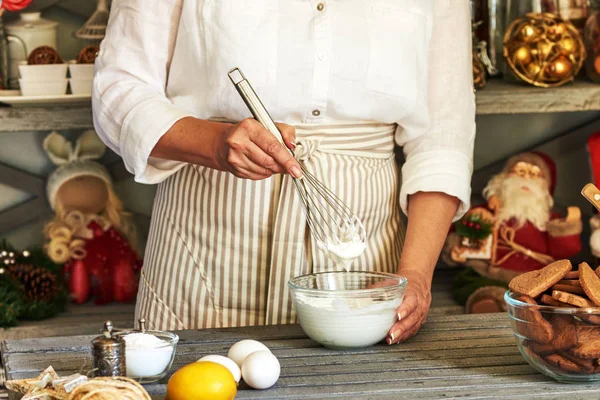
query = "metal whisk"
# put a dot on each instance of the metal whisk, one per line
(330, 220)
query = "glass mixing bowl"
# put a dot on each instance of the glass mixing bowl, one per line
(345, 310)
(551, 339)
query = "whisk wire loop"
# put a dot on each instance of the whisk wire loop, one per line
(329, 219)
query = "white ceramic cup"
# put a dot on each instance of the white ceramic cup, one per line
(81, 71)
(82, 87)
(43, 72)
(49, 88)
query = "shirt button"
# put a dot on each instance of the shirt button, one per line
(316, 113)
(320, 6)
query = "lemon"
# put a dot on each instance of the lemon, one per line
(203, 380)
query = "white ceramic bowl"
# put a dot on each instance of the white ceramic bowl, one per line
(52, 88)
(81, 86)
(81, 71)
(43, 73)
(345, 310)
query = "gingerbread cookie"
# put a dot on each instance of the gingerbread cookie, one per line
(588, 342)
(550, 301)
(88, 55)
(565, 332)
(571, 299)
(568, 288)
(572, 275)
(534, 283)
(563, 363)
(590, 282)
(44, 55)
(571, 282)
(592, 319)
(587, 365)
(542, 349)
(531, 324)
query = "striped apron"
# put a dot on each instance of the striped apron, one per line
(222, 249)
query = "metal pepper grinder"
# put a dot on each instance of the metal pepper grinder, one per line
(109, 353)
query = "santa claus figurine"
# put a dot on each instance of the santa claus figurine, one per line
(524, 233)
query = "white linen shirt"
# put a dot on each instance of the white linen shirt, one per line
(311, 62)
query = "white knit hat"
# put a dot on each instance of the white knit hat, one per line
(73, 161)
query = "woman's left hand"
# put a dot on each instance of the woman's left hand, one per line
(412, 313)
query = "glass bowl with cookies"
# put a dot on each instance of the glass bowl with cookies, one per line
(555, 317)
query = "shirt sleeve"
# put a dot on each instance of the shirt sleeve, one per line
(131, 108)
(438, 138)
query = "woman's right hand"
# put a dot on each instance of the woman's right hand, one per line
(249, 151)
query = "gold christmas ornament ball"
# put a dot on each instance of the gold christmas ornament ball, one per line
(528, 32)
(567, 45)
(523, 55)
(560, 68)
(533, 69)
(555, 32)
(543, 50)
(597, 64)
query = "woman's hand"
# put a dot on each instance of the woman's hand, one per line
(249, 151)
(412, 313)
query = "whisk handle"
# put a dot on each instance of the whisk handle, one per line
(254, 104)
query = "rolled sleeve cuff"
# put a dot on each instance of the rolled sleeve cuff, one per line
(444, 171)
(141, 130)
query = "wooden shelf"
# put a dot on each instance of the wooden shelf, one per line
(498, 97)
(45, 119)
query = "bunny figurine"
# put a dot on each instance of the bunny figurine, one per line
(90, 234)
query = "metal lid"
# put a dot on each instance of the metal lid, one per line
(107, 339)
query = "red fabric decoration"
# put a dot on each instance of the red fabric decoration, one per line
(78, 278)
(593, 146)
(14, 5)
(111, 265)
(558, 247)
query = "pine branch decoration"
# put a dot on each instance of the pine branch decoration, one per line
(474, 227)
(31, 286)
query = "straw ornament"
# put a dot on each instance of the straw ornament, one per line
(118, 388)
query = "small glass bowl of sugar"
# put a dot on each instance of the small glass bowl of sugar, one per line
(149, 354)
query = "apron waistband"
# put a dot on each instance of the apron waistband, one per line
(360, 139)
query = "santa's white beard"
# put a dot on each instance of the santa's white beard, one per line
(521, 199)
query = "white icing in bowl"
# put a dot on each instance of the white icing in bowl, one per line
(346, 309)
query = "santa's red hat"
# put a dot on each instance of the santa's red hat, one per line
(542, 160)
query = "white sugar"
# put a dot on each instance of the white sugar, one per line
(146, 355)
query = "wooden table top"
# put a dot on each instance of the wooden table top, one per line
(473, 356)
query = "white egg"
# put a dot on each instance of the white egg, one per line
(242, 349)
(227, 363)
(261, 370)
